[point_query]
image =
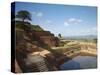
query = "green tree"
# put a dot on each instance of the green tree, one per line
(59, 35)
(23, 15)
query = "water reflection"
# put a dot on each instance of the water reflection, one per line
(80, 62)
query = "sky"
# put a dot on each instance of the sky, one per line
(68, 20)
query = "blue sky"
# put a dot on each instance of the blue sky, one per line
(69, 20)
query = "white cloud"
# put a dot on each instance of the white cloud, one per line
(38, 14)
(72, 21)
(66, 24)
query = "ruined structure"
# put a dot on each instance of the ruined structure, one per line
(35, 43)
(46, 37)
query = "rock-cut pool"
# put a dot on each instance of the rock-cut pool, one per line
(80, 62)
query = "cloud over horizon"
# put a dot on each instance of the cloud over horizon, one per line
(72, 21)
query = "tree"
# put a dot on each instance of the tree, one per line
(23, 15)
(59, 35)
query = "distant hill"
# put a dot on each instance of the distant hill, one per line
(81, 37)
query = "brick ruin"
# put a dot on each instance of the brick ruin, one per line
(47, 37)
(25, 45)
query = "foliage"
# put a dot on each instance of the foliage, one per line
(23, 15)
(27, 26)
(22, 26)
(36, 28)
(59, 35)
